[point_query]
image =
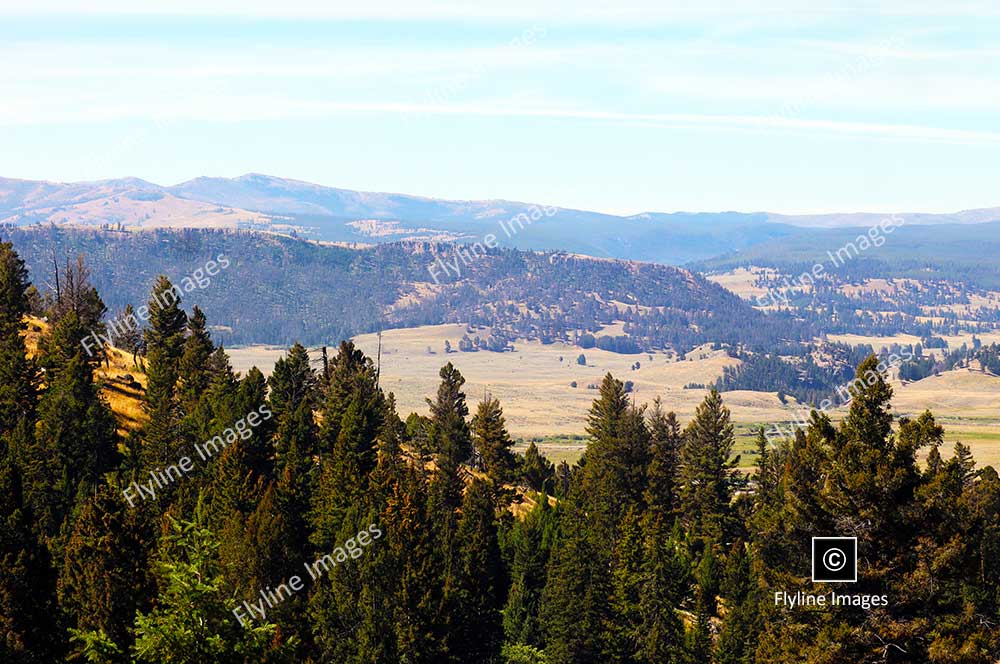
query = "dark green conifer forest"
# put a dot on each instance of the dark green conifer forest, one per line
(653, 549)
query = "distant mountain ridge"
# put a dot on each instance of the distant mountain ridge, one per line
(326, 213)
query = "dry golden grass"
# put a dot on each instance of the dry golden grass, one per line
(166, 212)
(958, 393)
(556, 449)
(524, 501)
(741, 281)
(121, 394)
(533, 383)
(877, 343)
(533, 386)
(36, 328)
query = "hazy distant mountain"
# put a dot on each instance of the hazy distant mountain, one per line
(855, 219)
(326, 213)
(265, 193)
(278, 195)
(25, 196)
(953, 252)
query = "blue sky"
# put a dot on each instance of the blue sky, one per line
(619, 107)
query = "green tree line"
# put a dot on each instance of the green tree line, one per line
(652, 549)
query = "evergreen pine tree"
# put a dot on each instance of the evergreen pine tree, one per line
(292, 382)
(19, 377)
(343, 479)
(531, 542)
(613, 474)
(192, 621)
(352, 419)
(699, 635)
(222, 407)
(296, 438)
(75, 442)
(575, 600)
(335, 608)
(63, 343)
(193, 368)
(448, 413)
(295, 441)
(698, 641)
(624, 622)
(104, 576)
(29, 624)
(13, 285)
(492, 442)
(705, 491)
(536, 470)
(965, 464)
(741, 624)
(664, 461)
(251, 397)
(352, 378)
(666, 578)
(477, 594)
(164, 339)
(449, 437)
(233, 488)
(414, 567)
(873, 474)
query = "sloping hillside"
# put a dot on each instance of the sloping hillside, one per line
(279, 289)
(954, 252)
(121, 381)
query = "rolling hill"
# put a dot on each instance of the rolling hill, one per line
(952, 252)
(279, 289)
(341, 215)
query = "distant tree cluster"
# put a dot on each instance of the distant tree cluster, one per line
(922, 366)
(933, 342)
(497, 343)
(810, 378)
(619, 344)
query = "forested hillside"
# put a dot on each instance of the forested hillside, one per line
(944, 252)
(301, 519)
(278, 289)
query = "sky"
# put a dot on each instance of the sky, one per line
(619, 107)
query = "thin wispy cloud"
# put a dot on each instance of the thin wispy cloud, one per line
(529, 95)
(839, 90)
(241, 108)
(583, 10)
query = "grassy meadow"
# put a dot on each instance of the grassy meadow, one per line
(534, 385)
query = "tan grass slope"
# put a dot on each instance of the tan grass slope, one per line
(121, 383)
